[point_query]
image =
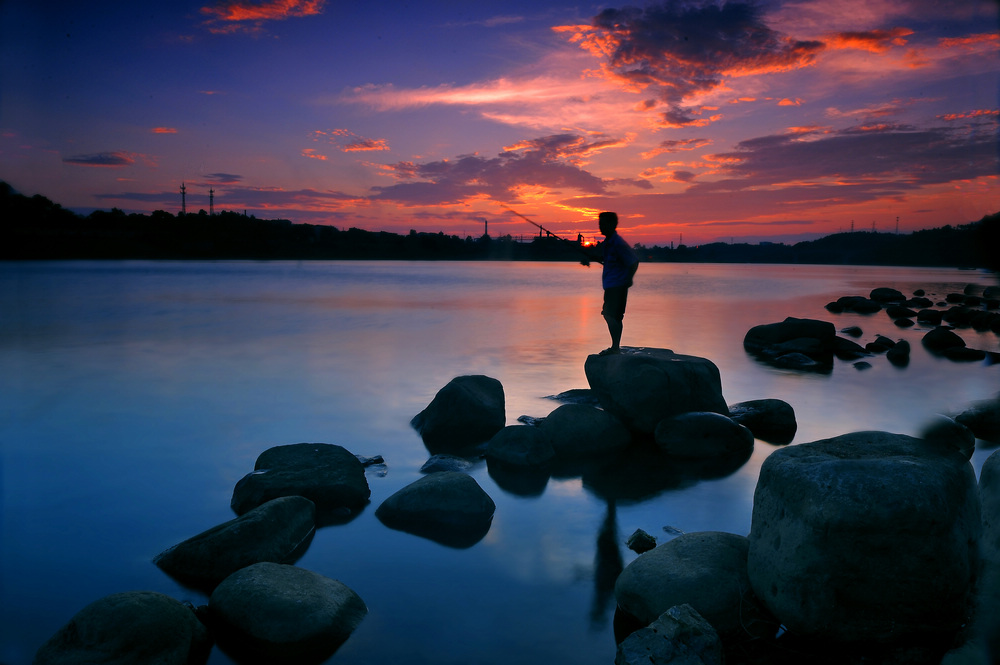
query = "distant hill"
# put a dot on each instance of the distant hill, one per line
(36, 228)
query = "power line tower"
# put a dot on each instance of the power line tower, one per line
(184, 207)
(211, 202)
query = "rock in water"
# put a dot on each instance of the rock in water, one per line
(706, 570)
(272, 613)
(326, 474)
(641, 387)
(132, 628)
(701, 434)
(680, 636)
(577, 431)
(771, 420)
(447, 507)
(277, 531)
(468, 411)
(865, 537)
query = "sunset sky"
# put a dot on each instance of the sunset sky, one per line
(699, 121)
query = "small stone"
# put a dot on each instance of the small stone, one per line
(640, 542)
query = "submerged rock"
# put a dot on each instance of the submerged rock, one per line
(468, 411)
(447, 507)
(779, 343)
(983, 418)
(326, 474)
(641, 387)
(276, 531)
(844, 548)
(131, 628)
(271, 613)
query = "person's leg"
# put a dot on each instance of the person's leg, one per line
(614, 312)
(615, 327)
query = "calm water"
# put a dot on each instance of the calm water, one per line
(133, 397)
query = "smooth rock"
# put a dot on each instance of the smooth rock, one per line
(983, 418)
(939, 339)
(276, 531)
(326, 474)
(439, 463)
(706, 570)
(273, 613)
(771, 420)
(468, 411)
(702, 434)
(131, 628)
(448, 507)
(899, 355)
(868, 536)
(520, 445)
(886, 295)
(948, 433)
(577, 430)
(679, 636)
(641, 387)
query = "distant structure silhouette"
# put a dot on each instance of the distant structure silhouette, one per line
(184, 207)
(211, 202)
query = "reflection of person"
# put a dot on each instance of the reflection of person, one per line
(620, 264)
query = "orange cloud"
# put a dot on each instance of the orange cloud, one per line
(243, 16)
(675, 146)
(312, 154)
(874, 41)
(164, 130)
(979, 113)
(364, 145)
(790, 102)
(971, 41)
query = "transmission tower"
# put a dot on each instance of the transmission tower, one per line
(211, 202)
(184, 207)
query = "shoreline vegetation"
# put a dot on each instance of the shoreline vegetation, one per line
(35, 228)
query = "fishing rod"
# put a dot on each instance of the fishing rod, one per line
(585, 262)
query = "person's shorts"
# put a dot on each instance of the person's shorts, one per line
(614, 302)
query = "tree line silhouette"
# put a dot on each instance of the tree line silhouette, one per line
(36, 228)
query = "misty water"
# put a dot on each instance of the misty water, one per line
(134, 395)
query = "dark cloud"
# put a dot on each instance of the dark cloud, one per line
(105, 159)
(681, 49)
(897, 156)
(551, 161)
(223, 178)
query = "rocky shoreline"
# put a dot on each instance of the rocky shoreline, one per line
(869, 547)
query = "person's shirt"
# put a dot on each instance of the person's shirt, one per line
(618, 261)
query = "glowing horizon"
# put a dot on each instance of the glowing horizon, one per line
(776, 120)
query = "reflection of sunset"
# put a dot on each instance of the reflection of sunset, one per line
(738, 121)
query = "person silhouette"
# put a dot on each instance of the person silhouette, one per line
(620, 264)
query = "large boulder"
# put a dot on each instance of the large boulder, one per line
(702, 434)
(706, 570)
(131, 628)
(812, 338)
(326, 474)
(448, 507)
(641, 387)
(771, 420)
(274, 613)
(865, 537)
(277, 531)
(680, 636)
(989, 496)
(578, 430)
(468, 411)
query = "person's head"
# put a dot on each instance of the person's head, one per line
(607, 222)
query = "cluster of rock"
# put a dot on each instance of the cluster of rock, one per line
(811, 345)
(867, 547)
(651, 419)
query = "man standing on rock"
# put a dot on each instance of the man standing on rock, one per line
(620, 264)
